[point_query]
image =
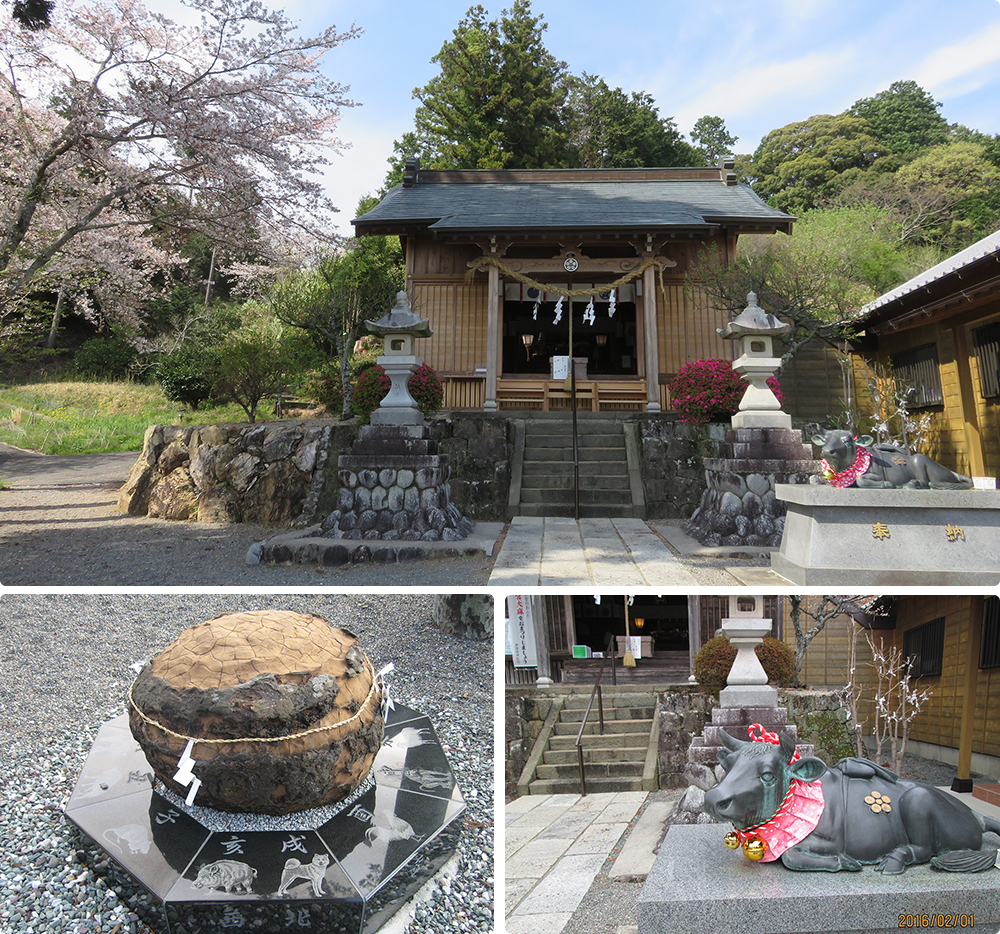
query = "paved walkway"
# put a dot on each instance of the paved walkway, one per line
(568, 858)
(543, 552)
(558, 552)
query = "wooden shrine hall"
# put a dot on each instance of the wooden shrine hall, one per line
(497, 259)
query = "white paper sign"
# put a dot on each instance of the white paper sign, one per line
(560, 367)
(522, 632)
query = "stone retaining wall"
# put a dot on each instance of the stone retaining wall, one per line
(673, 455)
(820, 716)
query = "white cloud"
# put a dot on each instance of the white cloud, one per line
(961, 67)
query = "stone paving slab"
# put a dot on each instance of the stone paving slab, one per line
(549, 875)
(698, 885)
(561, 552)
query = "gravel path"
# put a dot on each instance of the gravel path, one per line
(65, 663)
(60, 526)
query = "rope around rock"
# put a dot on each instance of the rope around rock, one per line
(256, 739)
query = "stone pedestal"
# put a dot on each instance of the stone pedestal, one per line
(901, 537)
(394, 487)
(698, 885)
(739, 506)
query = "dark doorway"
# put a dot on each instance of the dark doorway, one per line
(665, 619)
(531, 338)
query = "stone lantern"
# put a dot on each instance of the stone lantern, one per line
(755, 329)
(745, 628)
(399, 328)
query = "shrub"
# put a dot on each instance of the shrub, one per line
(187, 375)
(323, 386)
(712, 663)
(373, 384)
(710, 391)
(105, 358)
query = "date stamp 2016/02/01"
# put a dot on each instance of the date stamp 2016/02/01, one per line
(936, 921)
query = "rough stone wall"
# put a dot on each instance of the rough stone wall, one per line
(684, 711)
(673, 454)
(271, 473)
(479, 448)
(524, 717)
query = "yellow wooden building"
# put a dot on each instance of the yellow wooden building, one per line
(495, 259)
(940, 332)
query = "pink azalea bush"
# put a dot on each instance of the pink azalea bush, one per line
(373, 384)
(709, 391)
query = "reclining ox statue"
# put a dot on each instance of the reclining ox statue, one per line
(829, 819)
(850, 461)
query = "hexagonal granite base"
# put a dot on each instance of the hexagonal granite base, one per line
(351, 874)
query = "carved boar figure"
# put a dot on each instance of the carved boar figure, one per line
(840, 818)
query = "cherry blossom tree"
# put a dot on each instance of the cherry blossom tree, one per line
(116, 121)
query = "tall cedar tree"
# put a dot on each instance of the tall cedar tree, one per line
(904, 119)
(499, 100)
(615, 130)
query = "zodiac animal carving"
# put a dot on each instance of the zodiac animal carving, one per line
(851, 461)
(229, 875)
(314, 872)
(830, 819)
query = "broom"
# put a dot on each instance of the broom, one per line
(629, 660)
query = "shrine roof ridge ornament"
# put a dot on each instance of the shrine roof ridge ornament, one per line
(587, 199)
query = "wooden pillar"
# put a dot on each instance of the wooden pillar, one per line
(694, 631)
(970, 420)
(970, 678)
(492, 338)
(652, 340)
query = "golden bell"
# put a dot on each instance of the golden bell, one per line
(754, 849)
(732, 840)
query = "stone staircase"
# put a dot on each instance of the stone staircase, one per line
(622, 759)
(607, 488)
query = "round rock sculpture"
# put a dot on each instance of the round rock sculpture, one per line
(284, 710)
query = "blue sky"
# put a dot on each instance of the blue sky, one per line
(759, 64)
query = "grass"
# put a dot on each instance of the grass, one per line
(93, 417)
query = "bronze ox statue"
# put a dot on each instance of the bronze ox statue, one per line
(850, 461)
(831, 819)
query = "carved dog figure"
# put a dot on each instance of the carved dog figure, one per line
(866, 814)
(313, 871)
(890, 467)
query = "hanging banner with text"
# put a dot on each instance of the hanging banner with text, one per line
(521, 632)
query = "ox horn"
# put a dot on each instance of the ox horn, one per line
(730, 742)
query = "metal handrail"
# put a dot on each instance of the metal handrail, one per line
(600, 707)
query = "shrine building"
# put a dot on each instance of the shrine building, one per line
(495, 259)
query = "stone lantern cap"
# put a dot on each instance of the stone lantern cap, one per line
(753, 320)
(400, 319)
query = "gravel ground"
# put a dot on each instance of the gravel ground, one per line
(65, 661)
(61, 526)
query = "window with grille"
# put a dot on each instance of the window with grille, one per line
(986, 346)
(918, 368)
(989, 654)
(925, 645)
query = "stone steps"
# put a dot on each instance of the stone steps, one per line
(547, 469)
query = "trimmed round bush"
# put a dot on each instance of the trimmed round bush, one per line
(712, 663)
(105, 358)
(187, 375)
(710, 391)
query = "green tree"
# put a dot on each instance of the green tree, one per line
(253, 363)
(904, 119)
(498, 101)
(615, 130)
(798, 166)
(712, 139)
(838, 260)
(947, 196)
(331, 299)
